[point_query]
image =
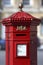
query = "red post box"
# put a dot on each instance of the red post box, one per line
(21, 45)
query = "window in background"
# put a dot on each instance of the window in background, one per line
(27, 3)
(0, 4)
(6, 2)
(42, 2)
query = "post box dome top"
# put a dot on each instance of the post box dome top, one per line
(20, 18)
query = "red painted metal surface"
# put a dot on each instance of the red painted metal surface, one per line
(11, 44)
(20, 18)
(16, 37)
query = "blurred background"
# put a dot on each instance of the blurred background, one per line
(35, 8)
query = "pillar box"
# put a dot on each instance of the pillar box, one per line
(21, 39)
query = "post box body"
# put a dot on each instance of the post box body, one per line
(15, 41)
(21, 39)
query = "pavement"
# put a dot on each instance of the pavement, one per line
(2, 58)
(39, 56)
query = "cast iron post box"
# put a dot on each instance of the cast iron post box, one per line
(21, 45)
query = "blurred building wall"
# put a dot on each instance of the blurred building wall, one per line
(0, 17)
(34, 7)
